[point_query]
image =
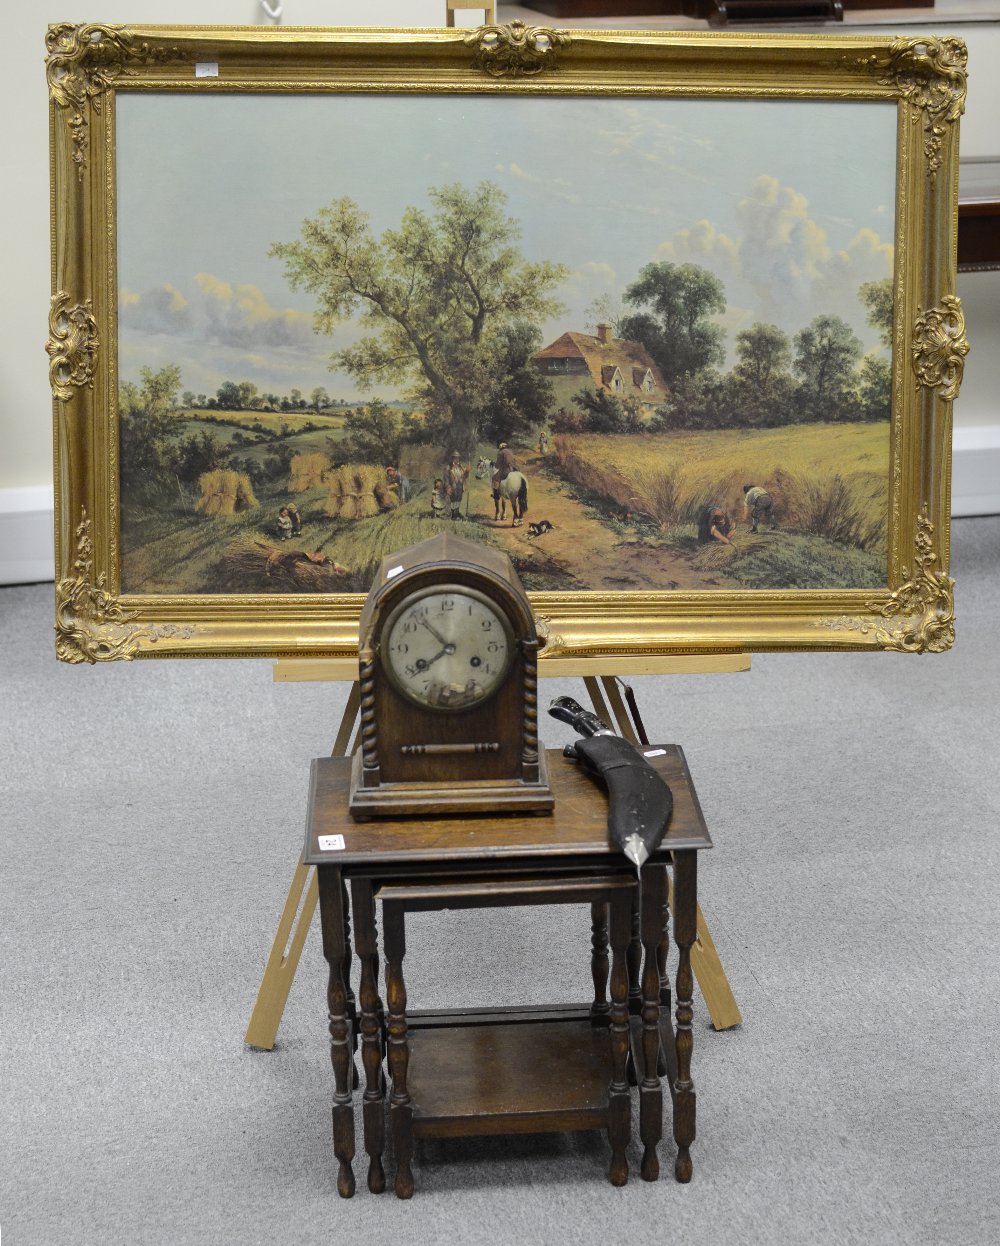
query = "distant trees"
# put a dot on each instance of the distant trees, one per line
(319, 399)
(228, 396)
(819, 374)
(826, 356)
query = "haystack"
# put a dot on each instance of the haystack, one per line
(306, 471)
(225, 493)
(254, 564)
(351, 492)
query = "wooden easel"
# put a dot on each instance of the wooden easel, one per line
(600, 677)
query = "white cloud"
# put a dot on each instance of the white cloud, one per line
(160, 310)
(702, 244)
(241, 316)
(780, 260)
(217, 312)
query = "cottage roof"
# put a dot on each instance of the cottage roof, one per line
(602, 358)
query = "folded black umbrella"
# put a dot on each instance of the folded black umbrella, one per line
(639, 800)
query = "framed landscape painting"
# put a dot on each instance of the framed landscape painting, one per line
(671, 320)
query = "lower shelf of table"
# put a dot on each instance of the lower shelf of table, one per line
(523, 1071)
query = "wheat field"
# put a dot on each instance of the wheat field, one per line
(826, 479)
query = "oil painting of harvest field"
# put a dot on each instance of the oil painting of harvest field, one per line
(639, 344)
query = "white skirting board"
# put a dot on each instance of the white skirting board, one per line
(26, 537)
(26, 550)
(975, 474)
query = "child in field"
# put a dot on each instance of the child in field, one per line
(284, 525)
(295, 517)
(439, 500)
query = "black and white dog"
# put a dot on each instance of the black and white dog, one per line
(537, 529)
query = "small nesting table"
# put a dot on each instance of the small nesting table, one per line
(472, 1072)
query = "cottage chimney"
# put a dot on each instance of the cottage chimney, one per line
(602, 333)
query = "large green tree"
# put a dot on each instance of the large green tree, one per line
(434, 295)
(674, 303)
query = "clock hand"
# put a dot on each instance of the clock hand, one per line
(435, 633)
(424, 663)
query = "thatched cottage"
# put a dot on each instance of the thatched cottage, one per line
(615, 365)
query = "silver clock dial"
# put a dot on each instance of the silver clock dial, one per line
(448, 648)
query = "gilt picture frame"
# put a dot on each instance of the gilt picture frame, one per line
(670, 318)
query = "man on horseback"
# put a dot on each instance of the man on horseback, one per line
(505, 464)
(508, 483)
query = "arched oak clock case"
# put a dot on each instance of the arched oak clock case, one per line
(448, 668)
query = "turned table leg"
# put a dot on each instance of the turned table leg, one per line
(634, 960)
(352, 1005)
(366, 942)
(685, 930)
(619, 1098)
(662, 950)
(599, 966)
(341, 1053)
(400, 1107)
(653, 885)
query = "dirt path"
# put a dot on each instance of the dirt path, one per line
(581, 552)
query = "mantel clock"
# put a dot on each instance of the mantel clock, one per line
(448, 657)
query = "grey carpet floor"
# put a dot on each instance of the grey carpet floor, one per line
(152, 814)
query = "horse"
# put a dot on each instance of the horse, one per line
(513, 487)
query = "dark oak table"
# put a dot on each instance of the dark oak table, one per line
(471, 1072)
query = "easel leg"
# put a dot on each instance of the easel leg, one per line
(279, 972)
(716, 991)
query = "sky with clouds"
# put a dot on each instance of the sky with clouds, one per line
(791, 204)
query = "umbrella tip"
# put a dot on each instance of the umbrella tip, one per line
(636, 852)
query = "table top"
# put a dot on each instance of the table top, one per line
(576, 829)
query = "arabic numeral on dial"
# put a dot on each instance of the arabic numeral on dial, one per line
(447, 603)
(493, 647)
(487, 625)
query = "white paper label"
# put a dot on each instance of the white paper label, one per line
(330, 843)
(206, 69)
(393, 572)
(656, 752)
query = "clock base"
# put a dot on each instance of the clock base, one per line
(428, 799)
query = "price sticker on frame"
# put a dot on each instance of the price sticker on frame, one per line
(331, 843)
